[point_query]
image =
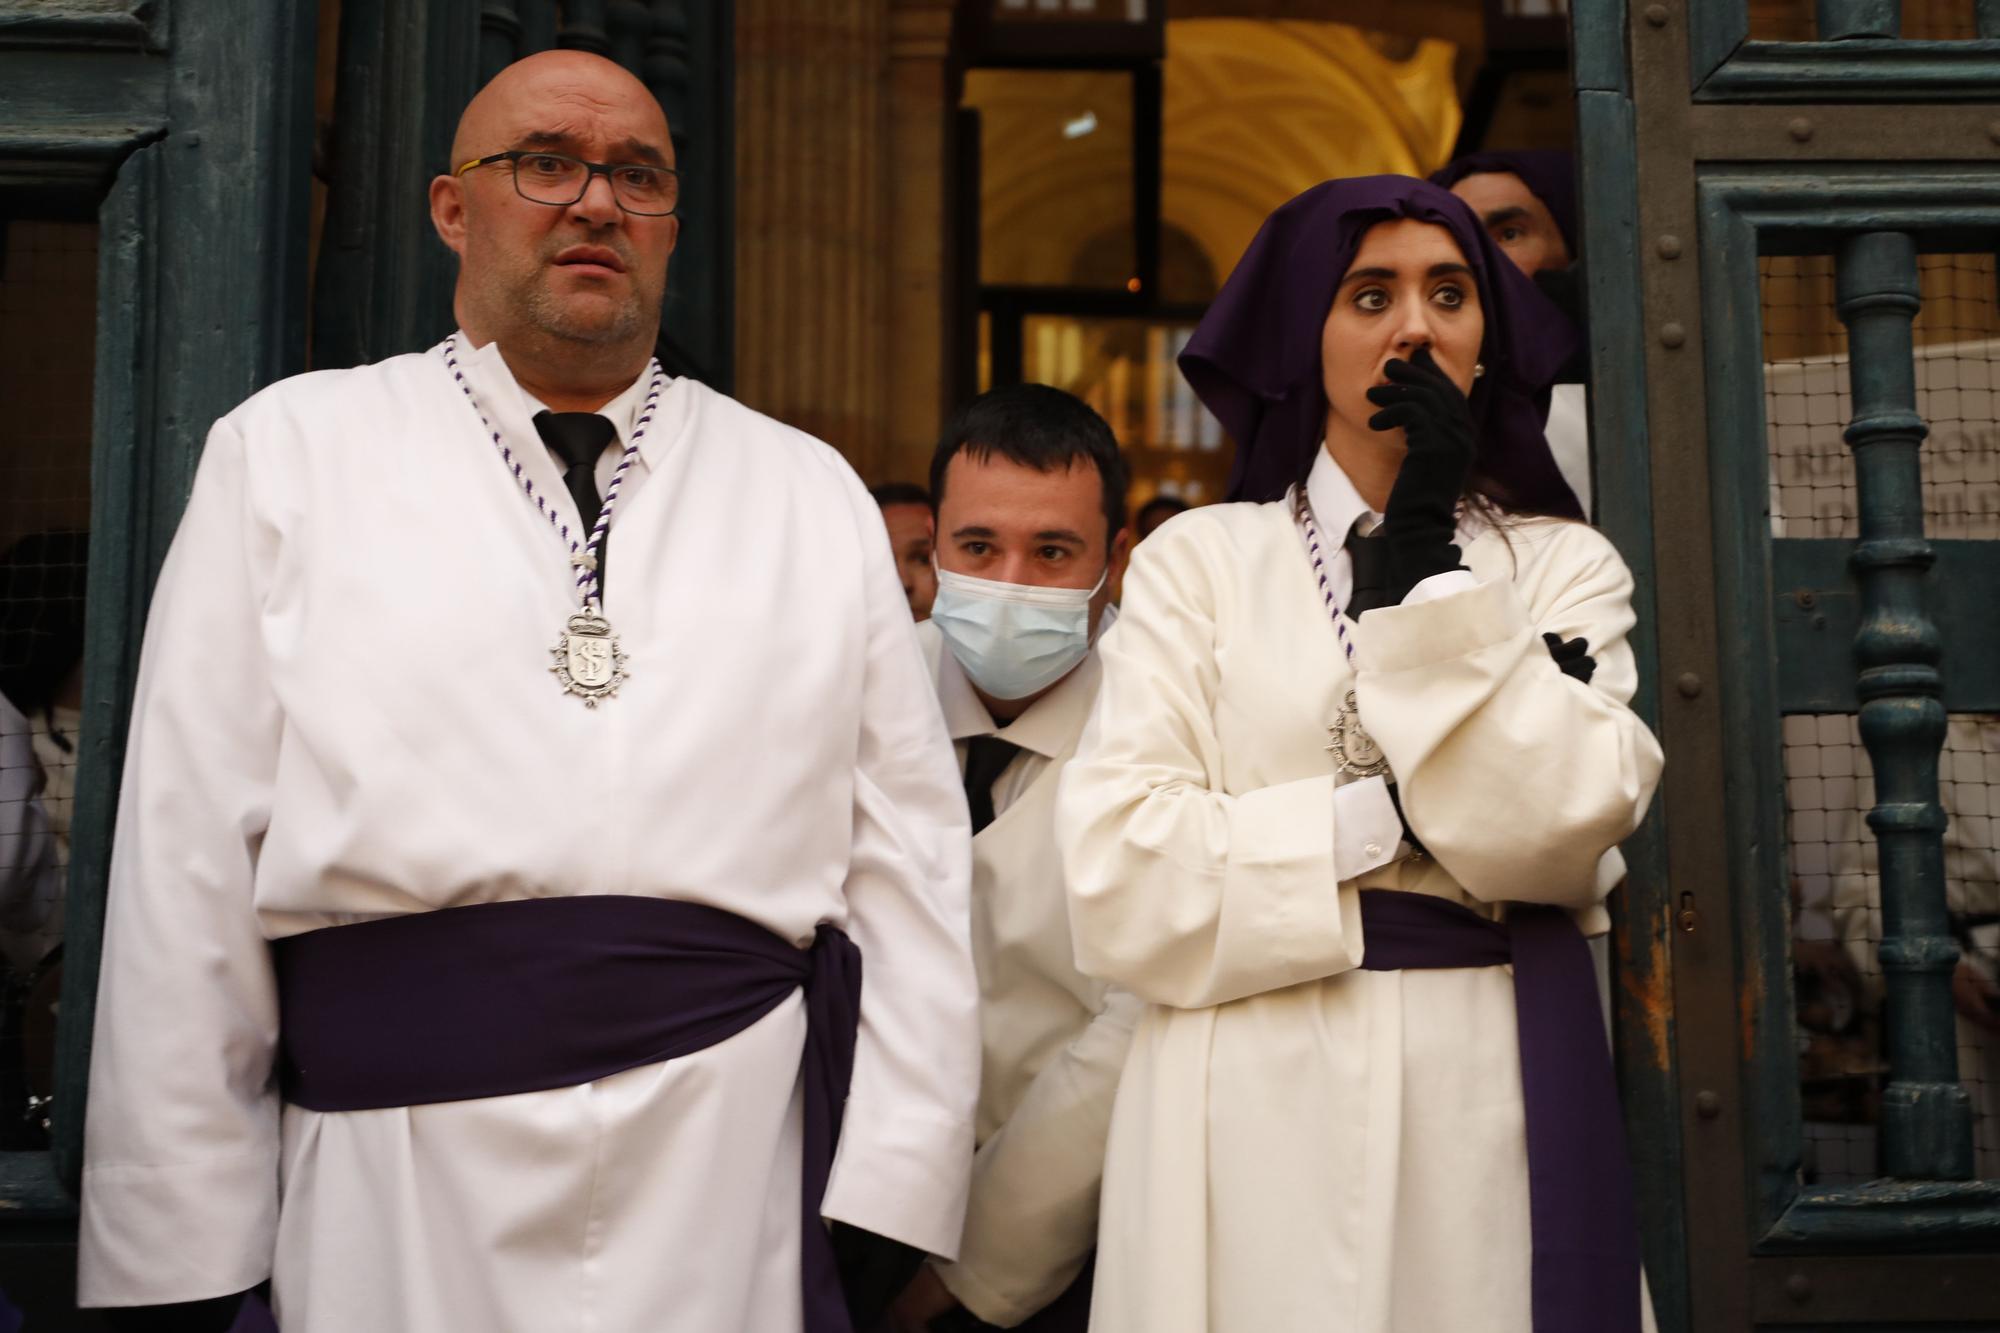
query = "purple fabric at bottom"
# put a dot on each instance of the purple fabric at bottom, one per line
(1582, 1218)
(499, 998)
(254, 1317)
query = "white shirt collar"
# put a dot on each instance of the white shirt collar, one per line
(1335, 502)
(1336, 505)
(493, 380)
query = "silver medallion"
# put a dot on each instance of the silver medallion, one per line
(1352, 748)
(588, 662)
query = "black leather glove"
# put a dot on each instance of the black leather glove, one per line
(1564, 287)
(1572, 656)
(1436, 421)
(214, 1315)
(873, 1272)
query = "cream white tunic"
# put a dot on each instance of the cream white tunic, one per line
(345, 712)
(1053, 1039)
(1298, 1145)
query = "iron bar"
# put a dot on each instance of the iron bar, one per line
(1926, 1114)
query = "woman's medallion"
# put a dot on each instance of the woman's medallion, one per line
(1352, 748)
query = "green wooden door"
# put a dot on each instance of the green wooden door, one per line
(177, 134)
(1790, 230)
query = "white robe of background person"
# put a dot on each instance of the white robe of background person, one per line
(1299, 1146)
(1568, 433)
(1054, 1040)
(345, 712)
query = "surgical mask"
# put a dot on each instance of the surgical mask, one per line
(1013, 639)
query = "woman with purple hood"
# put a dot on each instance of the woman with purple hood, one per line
(1363, 739)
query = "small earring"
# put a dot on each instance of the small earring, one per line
(1478, 369)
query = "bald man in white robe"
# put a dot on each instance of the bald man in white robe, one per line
(350, 717)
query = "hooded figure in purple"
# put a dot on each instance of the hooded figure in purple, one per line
(1361, 741)
(1255, 359)
(1525, 198)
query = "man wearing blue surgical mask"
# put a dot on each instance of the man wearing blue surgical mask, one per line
(1030, 492)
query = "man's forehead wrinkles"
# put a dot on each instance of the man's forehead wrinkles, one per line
(561, 131)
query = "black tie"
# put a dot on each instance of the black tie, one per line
(986, 758)
(1370, 557)
(579, 439)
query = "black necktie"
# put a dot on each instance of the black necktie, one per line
(986, 758)
(1370, 557)
(579, 439)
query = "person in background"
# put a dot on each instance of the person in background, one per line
(41, 696)
(1526, 200)
(1155, 512)
(906, 512)
(1030, 488)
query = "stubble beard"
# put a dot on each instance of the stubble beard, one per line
(525, 298)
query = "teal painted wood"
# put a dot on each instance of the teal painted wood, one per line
(584, 27)
(33, 1193)
(1816, 610)
(688, 64)
(384, 281)
(1716, 28)
(1926, 1129)
(125, 431)
(1858, 70)
(86, 107)
(1840, 20)
(1986, 14)
(1799, 210)
(1893, 1217)
(500, 37)
(1732, 320)
(135, 25)
(1804, 209)
(1622, 453)
(202, 300)
(1597, 49)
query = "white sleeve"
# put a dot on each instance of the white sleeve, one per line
(1180, 891)
(1033, 1217)
(1515, 776)
(906, 1143)
(1440, 585)
(180, 1180)
(1366, 828)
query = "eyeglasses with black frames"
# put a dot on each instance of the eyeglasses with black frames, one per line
(559, 180)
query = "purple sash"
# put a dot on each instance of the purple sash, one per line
(1582, 1220)
(499, 998)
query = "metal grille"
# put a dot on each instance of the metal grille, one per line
(48, 313)
(1836, 894)
(1806, 403)
(1837, 928)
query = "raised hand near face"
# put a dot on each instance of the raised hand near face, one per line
(1436, 421)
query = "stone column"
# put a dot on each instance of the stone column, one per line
(921, 239)
(811, 244)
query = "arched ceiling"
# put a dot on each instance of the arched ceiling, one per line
(1254, 112)
(1258, 111)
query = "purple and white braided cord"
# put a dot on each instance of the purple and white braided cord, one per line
(586, 569)
(1302, 512)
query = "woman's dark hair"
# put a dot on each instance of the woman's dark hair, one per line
(1039, 427)
(41, 616)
